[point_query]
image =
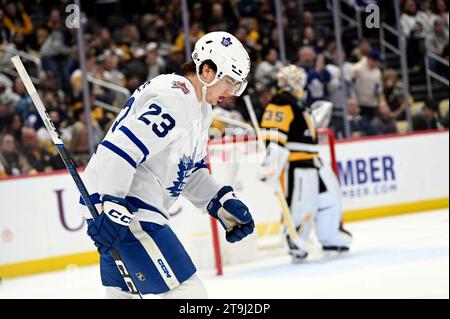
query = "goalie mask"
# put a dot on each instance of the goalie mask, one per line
(228, 54)
(293, 79)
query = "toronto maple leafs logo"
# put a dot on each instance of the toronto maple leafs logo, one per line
(185, 167)
(226, 42)
(180, 85)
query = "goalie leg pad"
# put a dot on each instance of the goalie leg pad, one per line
(329, 214)
(304, 199)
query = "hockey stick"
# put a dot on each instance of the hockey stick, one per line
(69, 163)
(287, 217)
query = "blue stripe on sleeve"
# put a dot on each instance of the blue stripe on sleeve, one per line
(200, 165)
(119, 152)
(94, 197)
(136, 141)
(138, 203)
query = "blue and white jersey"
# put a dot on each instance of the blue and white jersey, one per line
(155, 151)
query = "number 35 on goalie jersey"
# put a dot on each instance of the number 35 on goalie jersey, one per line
(286, 124)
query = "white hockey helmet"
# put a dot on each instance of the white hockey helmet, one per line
(293, 79)
(228, 54)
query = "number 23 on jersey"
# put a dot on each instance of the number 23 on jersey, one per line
(154, 111)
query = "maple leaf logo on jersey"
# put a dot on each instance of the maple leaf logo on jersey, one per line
(226, 42)
(180, 85)
(185, 167)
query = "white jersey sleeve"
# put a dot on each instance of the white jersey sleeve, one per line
(201, 187)
(150, 121)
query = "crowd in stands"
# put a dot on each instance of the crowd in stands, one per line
(127, 45)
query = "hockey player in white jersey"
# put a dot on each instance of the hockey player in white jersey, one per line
(154, 152)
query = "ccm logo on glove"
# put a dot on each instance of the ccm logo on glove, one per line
(108, 229)
(122, 217)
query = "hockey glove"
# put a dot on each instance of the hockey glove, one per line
(111, 226)
(232, 214)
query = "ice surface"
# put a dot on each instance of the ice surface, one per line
(396, 257)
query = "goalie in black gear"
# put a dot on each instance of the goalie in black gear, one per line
(312, 189)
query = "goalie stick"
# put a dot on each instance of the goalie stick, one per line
(287, 217)
(69, 164)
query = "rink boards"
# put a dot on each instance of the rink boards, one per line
(41, 230)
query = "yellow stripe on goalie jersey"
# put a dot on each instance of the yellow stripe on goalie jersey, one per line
(275, 138)
(311, 127)
(302, 156)
(278, 116)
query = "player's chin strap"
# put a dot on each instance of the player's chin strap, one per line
(204, 91)
(205, 85)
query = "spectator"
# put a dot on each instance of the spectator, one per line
(416, 47)
(16, 19)
(318, 75)
(7, 98)
(6, 114)
(57, 118)
(176, 59)
(393, 92)
(102, 41)
(13, 162)
(111, 73)
(14, 127)
(252, 37)
(18, 44)
(266, 71)
(196, 32)
(24, 105)
(79, 145)
(54, 51)
(4, 32)
(428, 119)
(252, 46)
(361, 51)
(93, 70)
(442, 12)
(436, 41)
(411, 17)
(360, 125)
(310, 39)
(217, 21)
(321, 32)
(383, 123)
(153, 61)
(197, 14)
(38, 158)
(368, 83)
(334, 88)
(130, 38)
